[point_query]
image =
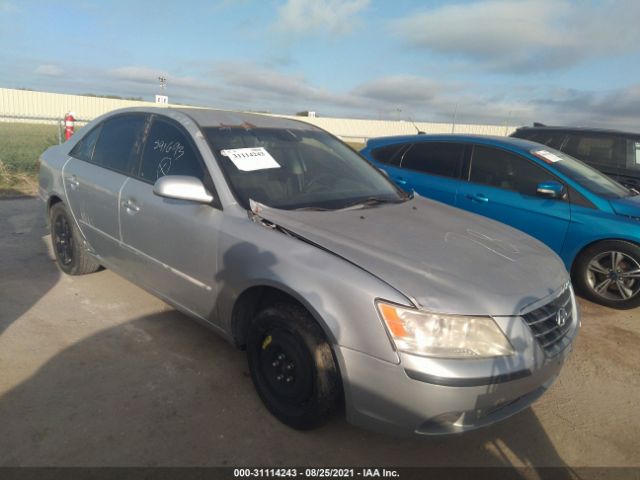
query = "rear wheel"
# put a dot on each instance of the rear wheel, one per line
(609, 273)
(71, 256)
(292, 366)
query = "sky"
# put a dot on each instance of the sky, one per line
(559, 62)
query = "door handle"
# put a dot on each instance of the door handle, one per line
(478, 197)
(73, 182)
(130, 206)
(401, 181)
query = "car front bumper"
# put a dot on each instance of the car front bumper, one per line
(396, 398)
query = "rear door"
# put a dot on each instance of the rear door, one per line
(502, 186)
(172, 244)
(433, 169)
(98, 167)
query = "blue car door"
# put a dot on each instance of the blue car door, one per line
(432, 169)
(502, 185)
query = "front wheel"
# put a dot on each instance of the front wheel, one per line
(292, 367)
(71, 256)
(608, 273)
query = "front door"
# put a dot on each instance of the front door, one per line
(173, 243)
(502, 186)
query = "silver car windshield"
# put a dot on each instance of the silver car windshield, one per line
(588, 177)
(297, 169)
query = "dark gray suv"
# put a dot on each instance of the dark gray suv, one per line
(614, 153)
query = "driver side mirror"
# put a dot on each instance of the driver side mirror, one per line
(551, 189)
(182, 188)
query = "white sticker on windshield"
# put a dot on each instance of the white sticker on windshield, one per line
(545, 155)
(250, 159)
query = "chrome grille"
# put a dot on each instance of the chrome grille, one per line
(544, 323)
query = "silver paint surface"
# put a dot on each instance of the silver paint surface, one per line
(421, 253)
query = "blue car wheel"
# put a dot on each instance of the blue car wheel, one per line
(609, 273)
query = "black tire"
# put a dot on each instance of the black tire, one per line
(71, 256)
(608, 273)
(292, 367)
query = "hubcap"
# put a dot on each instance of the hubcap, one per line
(63, 239)
(286, 367)
(614, 276)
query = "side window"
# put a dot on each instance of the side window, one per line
(168, 152)
(596, 150)
(501, 169)
(633, 154)
(437, 158)
(389, 154)
(84, 148)
(118, 147)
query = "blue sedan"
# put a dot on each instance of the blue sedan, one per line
(589, 220)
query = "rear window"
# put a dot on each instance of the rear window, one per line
(436, 158)
(84, 148)
(120, 143)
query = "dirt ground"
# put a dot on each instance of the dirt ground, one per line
(96, 372)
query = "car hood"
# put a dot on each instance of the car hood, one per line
(442, 258)
(627, 206)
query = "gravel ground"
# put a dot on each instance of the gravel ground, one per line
(96, 372)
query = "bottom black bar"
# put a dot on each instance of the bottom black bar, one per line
(391, 473)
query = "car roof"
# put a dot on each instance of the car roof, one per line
(545, 128)
(208, 117)
(485, 139)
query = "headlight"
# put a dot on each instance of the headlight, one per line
(451, 336)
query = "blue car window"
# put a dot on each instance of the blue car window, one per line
(389, 154)
(502, 169)
(436, 158)
(588, 177)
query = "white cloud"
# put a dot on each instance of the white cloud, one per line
(259, 87)
(313, 16)
(401, 89)
(525, 35)
(49, 70)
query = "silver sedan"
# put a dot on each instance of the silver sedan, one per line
(419, 317)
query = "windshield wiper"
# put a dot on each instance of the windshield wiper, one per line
(369, 202)
(312, 209)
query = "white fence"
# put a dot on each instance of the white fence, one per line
(43, 107)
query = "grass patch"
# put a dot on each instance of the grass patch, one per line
(20, 146)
